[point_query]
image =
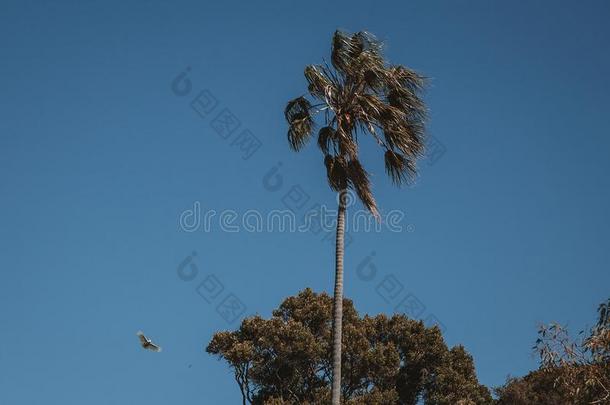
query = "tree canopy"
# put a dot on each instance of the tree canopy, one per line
(387, 360)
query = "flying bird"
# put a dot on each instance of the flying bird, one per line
(147, 343)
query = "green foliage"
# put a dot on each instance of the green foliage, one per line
(386, 360)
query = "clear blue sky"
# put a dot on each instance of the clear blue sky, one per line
(99, 157)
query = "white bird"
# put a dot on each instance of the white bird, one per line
(147, 343)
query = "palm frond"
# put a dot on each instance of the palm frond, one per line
(400, 169)
(374, 79)
(318, 81)
(359, 181)
(326, 138)
(342, 51)
(336, 171)
(370, 69)
(370, 106)
(298, 115)
(408, 102)
(352, 54)
(408, 138)
(296, 109)
(347, 147)
(401, 76)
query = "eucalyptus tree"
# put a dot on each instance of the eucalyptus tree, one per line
(358, 93)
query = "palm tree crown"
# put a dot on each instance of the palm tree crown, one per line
(361, 93)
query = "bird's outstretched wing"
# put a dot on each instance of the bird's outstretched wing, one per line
(153, 347)
(143, 339)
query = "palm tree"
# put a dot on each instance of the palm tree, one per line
(359, 94)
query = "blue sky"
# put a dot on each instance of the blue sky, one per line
(99, 158)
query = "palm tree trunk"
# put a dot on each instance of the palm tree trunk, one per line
(338, 301)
